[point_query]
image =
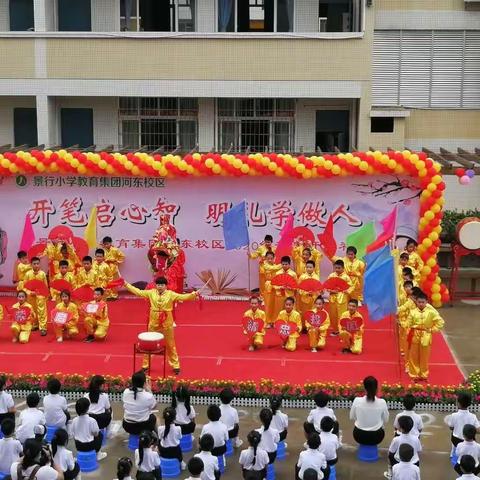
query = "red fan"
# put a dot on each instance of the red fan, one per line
(20, 315)
(37, 287)
(61, 285)
(252, 325)
(285, 329)
(336, 285)
(84, 294)
(36, 250)
(60, 317)
(315, 319)
(304, 234)
(80, 246)
(119, 282)
(60, 233)
(310, 285)
(284, 280)
(150, 286)
(351, 325)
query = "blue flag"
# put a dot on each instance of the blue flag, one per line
(235, 228)
(380, 289)
(377, 256)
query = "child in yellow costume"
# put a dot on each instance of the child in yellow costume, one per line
(302, 253)
(351, 329)
(402, 264)
(260, 254)
(305, 300)
(414, 259)
(114, 258)
(406, 303)
(281, 293)
(338, 301)
(96, 317)
(63, 274)
(22, 266)
(71, 326)
(317, 334)
(254, 312)
(423, 321)
(103, 269)
(290, 315)
(269, 269)
(86, 275)
(23, 319)
(38, 302)
(161, 319)
(355, 269)
(67, 254)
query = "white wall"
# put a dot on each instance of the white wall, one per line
(7, 104)
(461, 197)
(448, 143)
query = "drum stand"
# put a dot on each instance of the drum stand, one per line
(458, 252)
(137, 350)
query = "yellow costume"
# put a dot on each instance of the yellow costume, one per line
(293, 316)
(305, 300)
(1, 313)
(422, 324)
(38, 302)
(339, 301)
(72, 264)
(269, 271)
(300, 263)
(21, 331)
(355, 269)
(21, 270)
(104, 274)
(281, 294)
(257, 339)
(161, 318)
(71, 327)
(317, 336)
(415, 261)
(114, 257)
(96, 323)
(416, 276)
(405, 306)
(259, 254)
(68, 277)
(89, 278)
(352, 340)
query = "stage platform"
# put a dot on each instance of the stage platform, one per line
(211, 345)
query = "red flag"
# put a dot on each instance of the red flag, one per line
(285, 244)
(28, 235)
(327, 241)
(389, 224)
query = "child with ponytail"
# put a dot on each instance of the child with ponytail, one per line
(124, 469)
(280, 419)
(147, 458)
(254, 460)
(185, 417)
(64, 457)
(270, 436)
(169, 436)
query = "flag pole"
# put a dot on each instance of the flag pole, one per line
(248, 252)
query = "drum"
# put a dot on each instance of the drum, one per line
(150, 341)
(468, 233)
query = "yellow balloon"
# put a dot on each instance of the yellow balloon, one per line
(279, 172)
(431, 262)
(328, 164)
(102, 164)
(426, 270)
(82, 169)
(433, 236)
(308, 174)
(363, 166)
(385, 159)
(437, 167)
(427, 242)
(436, 297)
(437, 303)
(425, 194)
(13, 168)
(422, 173)
(209, 163)
(197, 156)
(391, 164)
(292, 161)
(414, 158)
(336, 170)
(128, 165)
(244, 168)
(109, 169)
(431, 187)
(429, 215)
(190, 169)
(135, 170)
(377, 155)
(75, 163)
(435, 288)
(437, 179)
(356, 161)
(272, 166)
(40, 167)
(54, 167)
(216, 169)
(436, 208)
(300, 168)
(237, 163)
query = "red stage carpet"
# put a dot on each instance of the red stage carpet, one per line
(211, 345)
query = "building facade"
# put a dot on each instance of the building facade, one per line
(262, 75)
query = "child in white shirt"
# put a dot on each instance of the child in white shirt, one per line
(7, 406)
(169, 436)
(280, 419)
(312, 458)
(195, 468)
(405, 469)
(315, 416)
(124, 469)
(468, 466)
(468, 447)
(217, 430)
(29, 418)
(63, 457)
(147, 458)
(55, 406)
(211, 469)
(409, 404)
(254, 460)
(270, 436)
(185, 418)
(10, 448)
(329, 441)
(456, 421)
(230, 416)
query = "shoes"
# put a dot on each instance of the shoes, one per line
(314, 350)
(238, 443)
(14, 340)
(59, 339)
(35, 328)
(387, 474)
(176, 371)
(251, 348)
(334, 334)
(345, 350)
(101, 455)
(89, 339)
(183, 465)
(43, 333)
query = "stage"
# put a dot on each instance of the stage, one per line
(211, 345)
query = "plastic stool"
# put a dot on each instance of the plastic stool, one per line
(1, 436)
(87, 461)
(133, 442)
(221, 464)
(270, 472)
(333, 473)
(367, 453)
(50, 433)
(104, 438)
(281, 451)
(186, 443)
(3, 475)
(170, 467)
(454, 460)
(229, 451)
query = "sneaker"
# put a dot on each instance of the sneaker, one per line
(176, 371)
(101, 455)
(43, 333)
(89, 339)
(183, 465)
(251, 348)
(59, 339)
(285, 443)
(14, 340)
(345, 350)
(387, 474)
(334, 334)
(314, 350)
(238, 443)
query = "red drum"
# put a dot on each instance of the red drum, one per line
(150, 341)
(468, 233)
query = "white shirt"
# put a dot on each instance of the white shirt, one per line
(417, 421)
(369, 416)
(137, 410)
(459, 419)
(405, 471)
(172, 439)
(10, 450)
(280, 421)
(84, 429)
(315, 416)
(412, 440)
(6, 402)
(229, 416)
(55, 407)
(44, 473)
(218, 431)
(246, 459)
(311, 459)
(270, 439)
(468, 448)
(64, 459)
(469, 476)
(101, 406)
(329, 445)
(28, 419)
(151, 460)
(210, 465)
(182, 418)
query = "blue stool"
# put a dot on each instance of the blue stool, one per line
(87, 461)
(454, 460)
(1, 436)
(229, 451)
(333, 473)
(270, 472)
(186, 443)
(367, 453)
(170, 467)
(104, 438)
(133, 442)
(3, 475)
(221, 464)
(281, 451)
(50, 433)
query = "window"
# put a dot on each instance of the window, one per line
(339, 15)
(332, 130)
(77, 127)
(381, 125)
(21, 15)
(155, 122)
(25, 126)
(74, 16)
(255, 15)
(261, 124)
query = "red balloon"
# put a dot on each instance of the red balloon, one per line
(460, 172)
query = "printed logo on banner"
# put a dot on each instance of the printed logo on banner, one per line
(21, 181)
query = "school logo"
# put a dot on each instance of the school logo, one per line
(21, 181)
